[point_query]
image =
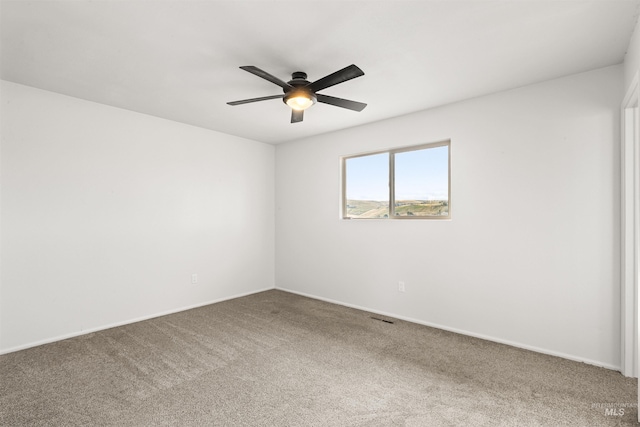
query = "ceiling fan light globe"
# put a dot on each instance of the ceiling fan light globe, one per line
(300, 100)
(299, 103)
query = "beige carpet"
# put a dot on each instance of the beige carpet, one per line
(278, 359)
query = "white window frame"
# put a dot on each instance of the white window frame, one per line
(392, 152)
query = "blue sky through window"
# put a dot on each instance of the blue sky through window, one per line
(419, 175)
(422, 174)
(368, 177)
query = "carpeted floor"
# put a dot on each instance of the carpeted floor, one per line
(279, 359)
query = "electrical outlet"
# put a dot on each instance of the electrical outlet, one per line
(194, 279)
(401, 287)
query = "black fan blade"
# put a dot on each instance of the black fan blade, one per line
(264, 98)
(347, 73)
(339, 102)
(296, 115)
(260, 73)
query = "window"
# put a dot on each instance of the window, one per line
(404, 183)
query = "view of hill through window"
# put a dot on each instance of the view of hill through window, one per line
(420, 183)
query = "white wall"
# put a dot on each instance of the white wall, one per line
(632, 58)
(531, 255)
(106, 213)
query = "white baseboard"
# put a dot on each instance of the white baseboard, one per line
(127, 322)
(460, 331)
(358, 307)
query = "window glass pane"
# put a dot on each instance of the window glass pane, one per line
(367, 186)
(422, 182)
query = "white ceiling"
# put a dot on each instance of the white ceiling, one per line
(179, 59)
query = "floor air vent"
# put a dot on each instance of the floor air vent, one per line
(382, 320)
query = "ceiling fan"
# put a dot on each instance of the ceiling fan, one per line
(300, 94)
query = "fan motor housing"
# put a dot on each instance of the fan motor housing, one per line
(299, 81)
(299, 75)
